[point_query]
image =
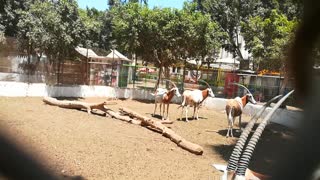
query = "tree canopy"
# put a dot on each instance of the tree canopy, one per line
(268, 38)
(162, 36)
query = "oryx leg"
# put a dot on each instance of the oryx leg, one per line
(155, 107)
(230, 126)
(232, 121)
(194, 111)
(164, 111)
(167, 117)
(198, 112)
(187, 113)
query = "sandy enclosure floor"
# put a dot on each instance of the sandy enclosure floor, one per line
(73, 143)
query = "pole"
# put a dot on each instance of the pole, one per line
(184, 73)
(134, 70)
(86, 76)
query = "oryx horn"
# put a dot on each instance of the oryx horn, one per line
(237, 150)
(205, 82)
(242, 86)
(247, 154)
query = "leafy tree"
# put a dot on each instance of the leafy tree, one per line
(92, 20)
(228, 14)
(51, 27)
(126, 26)
(114, 3)
(148, 33)
(292, 9)
(165, 36)
(9, 16)
(106, 39)
(158, 37)
(33, 35)
(2, 37)
(267, 39)
(198, 37)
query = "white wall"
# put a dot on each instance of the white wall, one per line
(16, 89)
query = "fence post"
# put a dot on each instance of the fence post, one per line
(134, 71)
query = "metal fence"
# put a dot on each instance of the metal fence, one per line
(15, 68)
(262, 87)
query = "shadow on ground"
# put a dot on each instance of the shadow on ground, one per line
(268, 150)
(66, 177)
(70, 98)
(190, 119)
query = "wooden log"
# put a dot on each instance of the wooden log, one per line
(76, 104)
(89, 107)
(162, 122)
(143, 121)
(191, 147)
(123, 118)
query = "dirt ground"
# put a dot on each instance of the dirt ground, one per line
(73, 143)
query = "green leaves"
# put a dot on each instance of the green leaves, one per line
(92, 20)
(268, 38)
(50, 27)
(163, 35)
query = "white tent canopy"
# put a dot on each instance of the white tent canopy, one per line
(224, 66)
(88, 53)
(117, 55)
(192, 61)
(227, 61)
(218, 61)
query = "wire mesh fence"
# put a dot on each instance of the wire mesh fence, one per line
(16, 68)
(262, 87)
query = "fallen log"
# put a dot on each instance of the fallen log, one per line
(89, 107)
(123, 118)
(145, 121)
(75, 104)
(162, 121)
(156, 126)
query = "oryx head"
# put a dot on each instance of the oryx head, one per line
(249, 95)
(210, 92)
(251, 99)
(174, 89)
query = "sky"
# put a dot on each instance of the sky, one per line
(102, 4)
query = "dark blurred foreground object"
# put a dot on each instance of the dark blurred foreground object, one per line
(16, 164)
(303, 157)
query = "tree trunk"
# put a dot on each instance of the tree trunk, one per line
(62, 68)
(167, 76)
(145, 121)
(76, 104)
(197, 73)
(135, 70)
(184, 73)
(58, 75)
(159, 78)
(285, 80)
(239, 53)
